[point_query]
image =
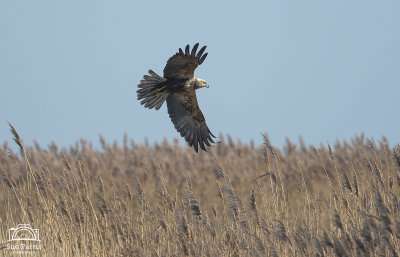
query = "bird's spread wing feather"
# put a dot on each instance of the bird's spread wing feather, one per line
(183, 64)
(188, 119)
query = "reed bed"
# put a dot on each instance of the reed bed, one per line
(236, 200)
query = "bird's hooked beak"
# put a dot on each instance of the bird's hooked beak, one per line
(208, 86)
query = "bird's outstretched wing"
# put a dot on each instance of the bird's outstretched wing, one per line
(188, 119)
(183, 64)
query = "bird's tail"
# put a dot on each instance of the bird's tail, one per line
(152, 91)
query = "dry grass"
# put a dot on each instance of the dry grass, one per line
(238, 200)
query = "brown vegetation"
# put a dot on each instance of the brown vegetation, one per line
(237, 200)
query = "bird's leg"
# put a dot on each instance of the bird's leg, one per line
(157, 91)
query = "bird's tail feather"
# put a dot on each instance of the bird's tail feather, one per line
(152, 91)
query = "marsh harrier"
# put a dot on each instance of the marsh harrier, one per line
(178, 87)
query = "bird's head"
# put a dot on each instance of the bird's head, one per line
(200, 83)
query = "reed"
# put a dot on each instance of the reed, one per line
(237, 200)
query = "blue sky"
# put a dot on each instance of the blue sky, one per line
(324, 70)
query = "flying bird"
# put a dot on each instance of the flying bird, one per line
(177, 87)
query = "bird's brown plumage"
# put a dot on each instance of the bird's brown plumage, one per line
(182, 65)
(188, 119)
(178, 89)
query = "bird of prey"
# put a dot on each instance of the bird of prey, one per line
(178, 87)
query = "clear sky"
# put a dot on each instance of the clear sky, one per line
(324, 70)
